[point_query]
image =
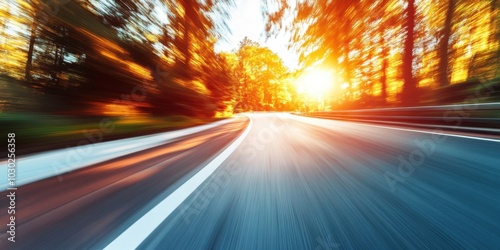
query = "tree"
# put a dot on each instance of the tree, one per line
(12, 43)
(260, 74)
(410, 86)
(220, 82)
(443, 67)
(386, 20)
(494, 23)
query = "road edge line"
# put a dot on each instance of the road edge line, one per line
(404, 129)
(133, 236)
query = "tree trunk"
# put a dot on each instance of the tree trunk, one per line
(493, 39)
(383, 79)
(409, 87)
(347, 68)
(443, 67)
(385, 66)
(29, 56)
(189, 13)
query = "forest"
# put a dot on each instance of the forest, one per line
(158, 57)
(395, 52)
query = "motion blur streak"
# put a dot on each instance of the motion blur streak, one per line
(135, 234)
(312, 185)
(293, 183)
(93, 204)
(86, 86)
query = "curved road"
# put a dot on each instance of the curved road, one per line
(287, 182)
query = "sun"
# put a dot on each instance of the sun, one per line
(315, 82)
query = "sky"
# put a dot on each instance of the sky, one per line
(247, 21)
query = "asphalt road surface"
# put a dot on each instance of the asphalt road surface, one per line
(274, 181)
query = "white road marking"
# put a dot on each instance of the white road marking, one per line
(304, 119)
(141, 229)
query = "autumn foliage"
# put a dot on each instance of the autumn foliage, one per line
(157, 57)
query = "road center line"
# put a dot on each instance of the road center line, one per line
(141, 229)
